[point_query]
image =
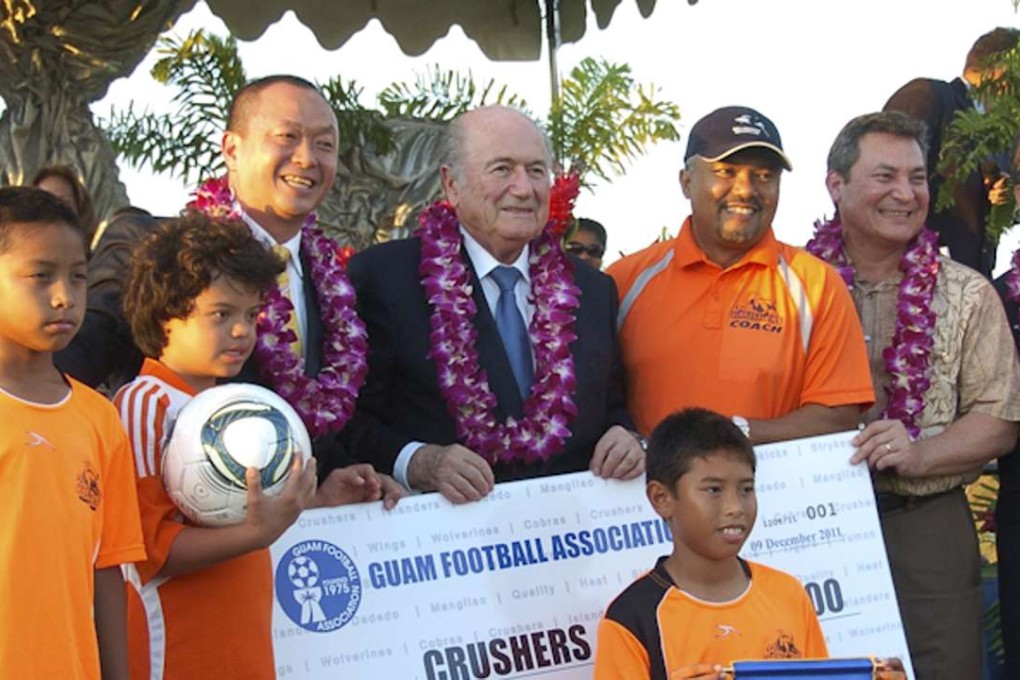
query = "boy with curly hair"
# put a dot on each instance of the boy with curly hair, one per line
(194, 293)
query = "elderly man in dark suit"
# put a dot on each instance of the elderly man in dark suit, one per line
(493, 354)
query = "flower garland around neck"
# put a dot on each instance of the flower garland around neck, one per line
(907, 359)
(549, 410)
(1013, 278)
(325, 402)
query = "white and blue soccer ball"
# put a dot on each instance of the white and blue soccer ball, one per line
(218, 435)
(303, 572)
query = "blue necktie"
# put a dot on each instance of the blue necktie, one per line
(511, 328)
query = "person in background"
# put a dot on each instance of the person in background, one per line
(587, 240)
(961, 228)
(64, 183)
(1007, 508)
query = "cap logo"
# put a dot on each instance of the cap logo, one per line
(746, 124)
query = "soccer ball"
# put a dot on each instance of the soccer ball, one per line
(216, 437)
(303, 572)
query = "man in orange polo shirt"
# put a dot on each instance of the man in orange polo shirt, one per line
(726, 317)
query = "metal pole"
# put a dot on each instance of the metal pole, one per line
(552, 32)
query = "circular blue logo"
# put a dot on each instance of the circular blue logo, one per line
(318, 586)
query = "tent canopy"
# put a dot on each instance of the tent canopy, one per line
(503, 29)
(60, 55)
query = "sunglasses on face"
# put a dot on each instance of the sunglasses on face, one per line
(594, 250)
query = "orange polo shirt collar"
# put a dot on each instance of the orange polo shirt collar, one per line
(687, 252)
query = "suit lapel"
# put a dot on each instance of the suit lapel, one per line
(491, 354)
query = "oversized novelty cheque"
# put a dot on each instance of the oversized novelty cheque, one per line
(515, 584)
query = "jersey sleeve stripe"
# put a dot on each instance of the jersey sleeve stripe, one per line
(142, 408)
(125, 407)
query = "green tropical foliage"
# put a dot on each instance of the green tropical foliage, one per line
(443, 95)
(974, 139)
(206, 71)
(357, 125)
(604, 119)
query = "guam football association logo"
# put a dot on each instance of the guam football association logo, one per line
(318, 586)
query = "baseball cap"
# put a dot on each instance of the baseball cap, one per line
(730, 129)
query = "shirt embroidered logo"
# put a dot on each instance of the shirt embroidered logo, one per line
(36, 439)
(87, 486)
(756, 314)
(783, 647)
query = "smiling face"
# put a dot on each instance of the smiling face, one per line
(500, 192)
(216, 337)
(712, 508)
(733, 202)
(42, 287)
(282, 159)
(884, 200)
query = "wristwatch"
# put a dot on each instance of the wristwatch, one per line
(745, 427)
(642, 442)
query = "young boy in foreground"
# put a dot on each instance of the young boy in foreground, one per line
(703, 606)
(201, 605)
(68, 502)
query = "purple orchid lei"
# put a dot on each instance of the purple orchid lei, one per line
(325, 402)
(549, 409)
(907, 359)
(1013, 278)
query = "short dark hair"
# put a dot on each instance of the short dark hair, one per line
(245, 98)
(179, 260)
(846, 149)
(83, 206)
(590, 226)
(689, 434)
(28, 205)
(991, 44)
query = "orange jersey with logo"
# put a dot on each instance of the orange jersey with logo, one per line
(216, 622)
(771, 333)
(652, 628)
(68, 506)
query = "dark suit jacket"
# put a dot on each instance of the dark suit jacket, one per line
(401, 403)
(103, 351)
(1007, 519)
(962, 227)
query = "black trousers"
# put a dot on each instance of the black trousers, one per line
(1007, 519)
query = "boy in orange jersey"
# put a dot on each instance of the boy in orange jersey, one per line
(703, 606)
(68, 502)
(201, 605)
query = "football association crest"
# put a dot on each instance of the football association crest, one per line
(318, 586)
